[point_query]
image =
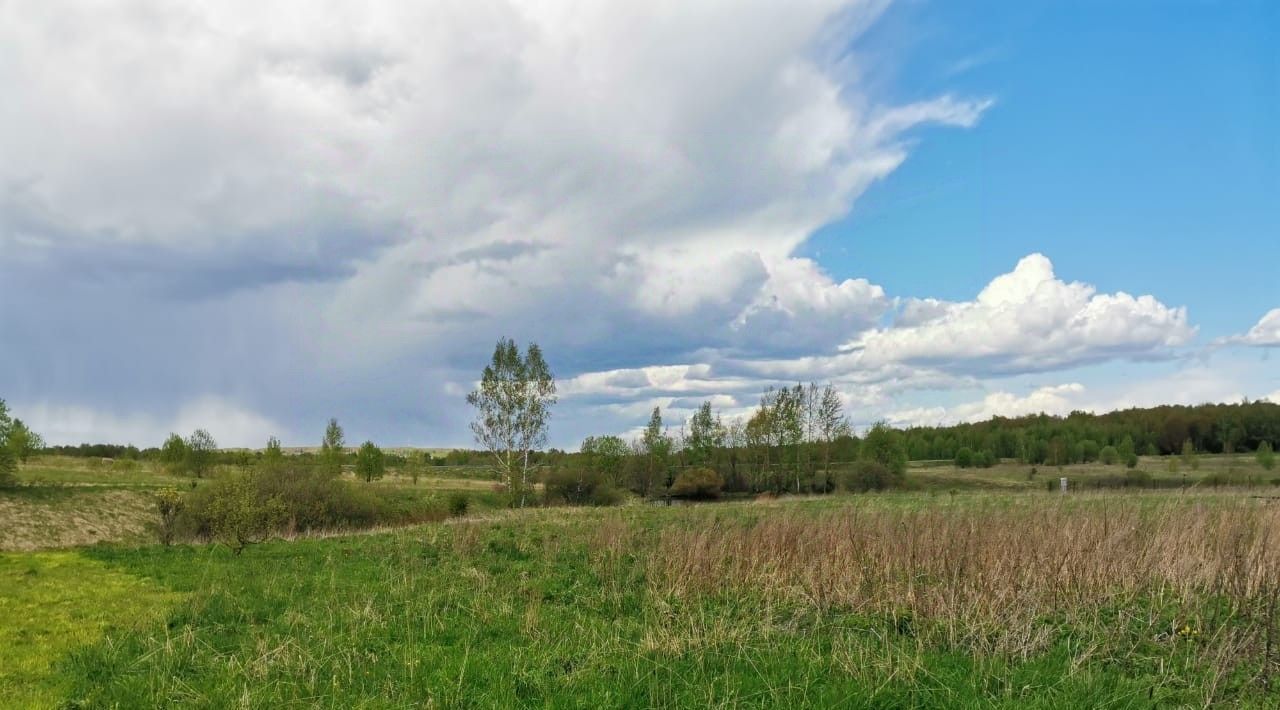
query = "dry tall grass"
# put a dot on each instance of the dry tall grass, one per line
(1000, 580)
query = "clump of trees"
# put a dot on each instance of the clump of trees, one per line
(192, 456)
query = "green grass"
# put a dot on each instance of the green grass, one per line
(53, 604)
(550, 608)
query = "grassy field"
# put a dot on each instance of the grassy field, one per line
(980, 589)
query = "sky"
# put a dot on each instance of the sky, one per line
(249, 217)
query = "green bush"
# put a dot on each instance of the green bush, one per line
(964, 457)
(1265, 456)
(8, 467)
(458, 503)
(1108, 455)
(697, 483)
(307, 498)
(239, 515)
(870, 476)
(169, 505)
(572, 485)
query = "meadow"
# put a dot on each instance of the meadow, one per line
(968, 592)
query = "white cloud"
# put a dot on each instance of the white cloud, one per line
(1028, 320)
(1055, 399)
(1266, 333)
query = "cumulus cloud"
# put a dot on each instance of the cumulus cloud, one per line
(1028, 320)
(1025, 321)
(1054, 399)
(1265, 334)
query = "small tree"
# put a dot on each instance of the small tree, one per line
(1189, 455)
(1108, 455)
(273, 455)
(884, 446)
(173, 454)
(606, 454)
(656, 448)
(238, 517)
(964, 457)
(8, 467)
(832, 424)
(332, 449)
(169, 505)
(24, 442)
(370, 463)
(1265, 456)
(1127, 451)
(200, 451)
(8, 462)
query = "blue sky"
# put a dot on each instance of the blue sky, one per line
(252, 216)
(1134, 143)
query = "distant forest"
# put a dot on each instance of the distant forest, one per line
(1211, 428)
(1041, 438)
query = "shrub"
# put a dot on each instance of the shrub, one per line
(1108, 455)
(169, 505)
(697, 483)
(1136, 478)
(1265, 456)
(307, 498)
(458, 503)
(607, 495)
(572, 485)
(239, 515)
(8, 467)
(1131, 460)
(870, 476)
(964, 457)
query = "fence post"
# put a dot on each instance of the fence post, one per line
(1062, 484)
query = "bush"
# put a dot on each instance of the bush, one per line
(169, 505)
(572, 485)
(1265, 456)
(8, 467)
(306, 498)
(239, 515)
(964, 457)
(1131, 460)
(1108, 455)
(699, 483)
(458, 503)
(869, 476)
(1136, 478)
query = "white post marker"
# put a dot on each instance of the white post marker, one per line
(1062, 484)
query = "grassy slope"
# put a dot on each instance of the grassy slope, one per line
(563, 609)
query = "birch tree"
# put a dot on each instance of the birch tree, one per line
(513, 405)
